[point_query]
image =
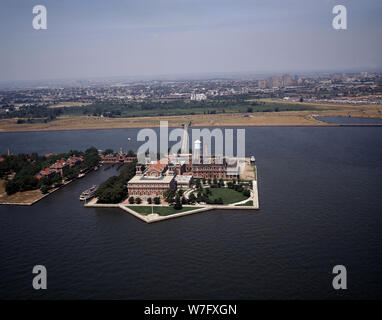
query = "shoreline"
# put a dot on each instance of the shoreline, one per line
(291, 118)
(40, 197)
(221, 120)
(200, 126)
(194, 126)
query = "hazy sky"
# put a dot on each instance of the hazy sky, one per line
(103, 38)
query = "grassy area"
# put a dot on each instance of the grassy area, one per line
(228, 195)
(26, 197)
(236, 104)
(248, 203)
(162, 211)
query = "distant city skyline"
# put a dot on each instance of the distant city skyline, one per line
(153, 39)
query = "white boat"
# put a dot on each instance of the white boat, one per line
(81, 175)
(89, 193)
(253, 159)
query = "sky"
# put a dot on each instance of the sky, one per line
(148, 38)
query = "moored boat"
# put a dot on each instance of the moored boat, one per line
(89, 193)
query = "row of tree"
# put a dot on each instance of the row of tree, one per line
(138, 200)
(114, 189)
(20, 170)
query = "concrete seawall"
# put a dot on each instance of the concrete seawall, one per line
(156, 218)
(255, 195)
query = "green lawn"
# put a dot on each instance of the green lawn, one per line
(248, 203)
(162, 211)
(228, 195)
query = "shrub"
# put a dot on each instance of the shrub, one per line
(11, 187)
(44, 189)
(178, 205)
(246, 193)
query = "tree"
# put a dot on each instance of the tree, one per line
(44, 189)
(114, 189)
(157, 200)
(178, 204)
(131, 153)
(138, 200)
(108, 151)
(246, 193)
(131, 200)
(169, 194)
(11, 187)
(192, 198)
(149, 200)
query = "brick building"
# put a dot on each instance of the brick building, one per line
(153, 182)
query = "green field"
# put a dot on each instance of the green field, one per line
(174, 108)
(150, 108)
(248, 203)
(228, 195)
(162, 211)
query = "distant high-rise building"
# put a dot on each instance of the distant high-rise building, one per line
(273, 81)
(262, 84)
(287, 80)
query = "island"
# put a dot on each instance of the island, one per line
(27, 178)
(178, 185)
(172, 186)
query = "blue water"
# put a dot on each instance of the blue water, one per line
(320, 198)
(350, 120)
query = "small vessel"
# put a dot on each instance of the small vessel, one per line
(81, 175)
(128, 139)
(89, 193)
(95, 168)
(253, 159)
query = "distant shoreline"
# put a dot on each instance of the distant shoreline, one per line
(303, 118)
(195, 126)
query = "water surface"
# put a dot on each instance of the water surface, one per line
(320, 198)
